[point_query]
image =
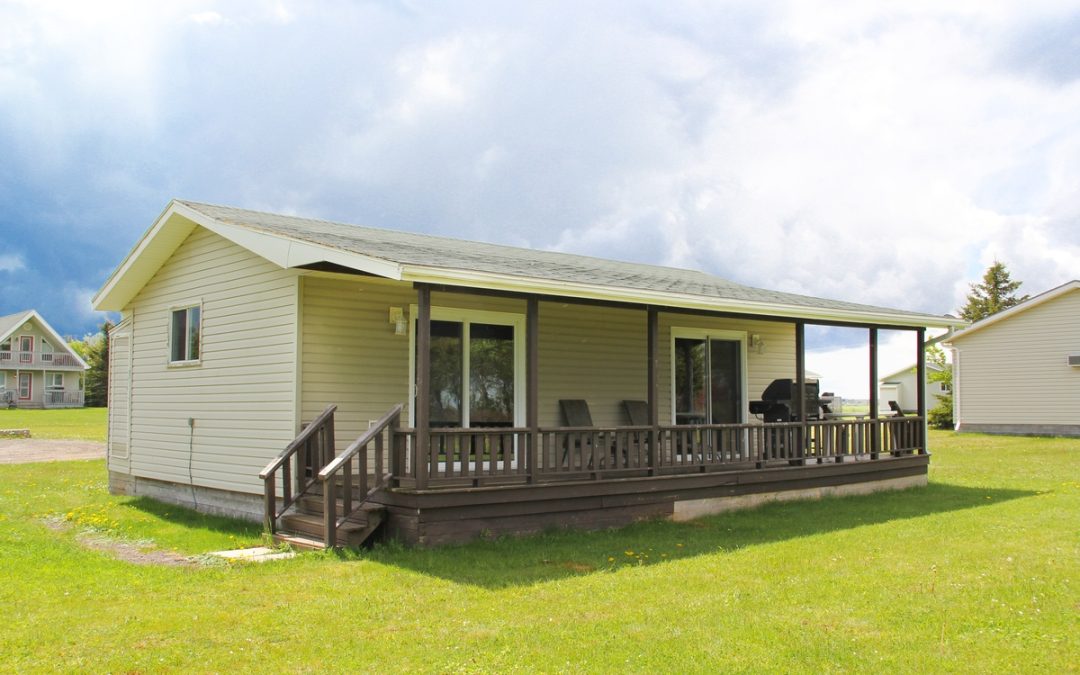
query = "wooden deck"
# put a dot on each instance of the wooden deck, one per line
(470, 482)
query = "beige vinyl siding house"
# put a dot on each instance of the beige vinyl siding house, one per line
(211, 420)
(37, 368)
(241, 329)
(1011, 371)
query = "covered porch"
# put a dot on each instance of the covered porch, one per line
(432, 472)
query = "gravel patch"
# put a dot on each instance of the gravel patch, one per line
(24, 450)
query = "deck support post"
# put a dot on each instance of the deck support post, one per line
(800, 392)
(920, 376)
(423, 386)
(653, 393)
(532, 385)
(875, 426)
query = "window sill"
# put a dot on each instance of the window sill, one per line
(184, 364)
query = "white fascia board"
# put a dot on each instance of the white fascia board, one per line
(1045, 296)
(176, 223)
(647, 297)
(145, 258)
(286, 252)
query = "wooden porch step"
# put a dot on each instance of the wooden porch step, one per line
(314, 504)
(308, 527)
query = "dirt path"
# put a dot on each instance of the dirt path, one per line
(22, 450)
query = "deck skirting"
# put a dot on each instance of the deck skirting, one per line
(438, 517)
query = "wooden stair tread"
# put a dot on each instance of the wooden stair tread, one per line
(307, 527)
(299, 541)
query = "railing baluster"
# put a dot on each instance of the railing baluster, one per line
(379, 449)
(346, 475)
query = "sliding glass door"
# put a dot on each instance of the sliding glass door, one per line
(708, 378)
(477, 365)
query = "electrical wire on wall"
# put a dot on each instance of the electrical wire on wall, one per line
(191, 459)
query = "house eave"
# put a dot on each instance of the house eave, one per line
(1043, 297)
(537, 286)
(178, 220)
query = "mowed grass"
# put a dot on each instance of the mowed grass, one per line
(84, 424)
(977, 572)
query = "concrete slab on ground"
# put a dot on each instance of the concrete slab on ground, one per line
(257, 554)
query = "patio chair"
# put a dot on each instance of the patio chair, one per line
(637, 412)
(897, 410)
(575, 412)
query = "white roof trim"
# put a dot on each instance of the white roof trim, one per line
(1039, 299)
(60, 342)
(486, 280)
(178, 219)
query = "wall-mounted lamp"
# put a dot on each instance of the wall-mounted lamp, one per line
(397, 317)
(757, 344)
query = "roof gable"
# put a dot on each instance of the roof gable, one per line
(1013, 311)
(289, 241)
(910, 369)
(10, 324)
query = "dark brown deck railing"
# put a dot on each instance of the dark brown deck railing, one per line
(299, 465)
(479, 456)
(351, 468)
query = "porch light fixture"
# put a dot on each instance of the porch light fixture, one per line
(397, 317)
(757, 344)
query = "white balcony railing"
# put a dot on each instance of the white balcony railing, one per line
(63, 399)
(46, 360)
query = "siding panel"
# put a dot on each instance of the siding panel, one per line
(1015, 372)
(242, 394)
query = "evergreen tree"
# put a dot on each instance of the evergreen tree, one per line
(95, 351)
(996, 292)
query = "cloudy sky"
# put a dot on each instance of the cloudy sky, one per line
(880, 152)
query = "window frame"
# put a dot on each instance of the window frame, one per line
(467, 317)
(50, 379)
(707, 334)
(185, 362)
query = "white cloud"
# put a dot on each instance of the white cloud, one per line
(878, 152)
(11, 263)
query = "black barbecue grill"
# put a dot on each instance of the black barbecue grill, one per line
(777, 402)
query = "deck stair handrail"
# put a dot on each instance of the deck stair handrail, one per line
(385, 466)
(299, 464)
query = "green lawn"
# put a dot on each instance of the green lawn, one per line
(979, 572)
(85, 424)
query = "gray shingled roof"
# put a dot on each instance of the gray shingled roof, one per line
(408, 248)
(10, 322)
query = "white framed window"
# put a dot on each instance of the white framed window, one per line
(26, 349)
(54, 381)
(477, 368)
(185, 331)
(708, 376)
(46, 351)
